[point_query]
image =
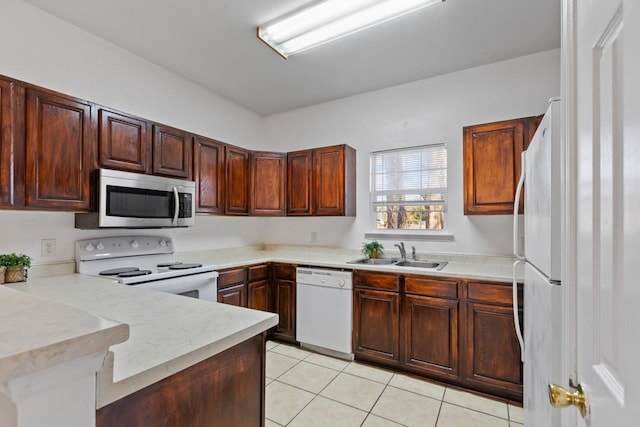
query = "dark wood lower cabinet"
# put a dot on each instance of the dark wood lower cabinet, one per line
(259, 295)
(234, 295)
(376, 325)
(224, 390)
(285, 305)
(459, 331)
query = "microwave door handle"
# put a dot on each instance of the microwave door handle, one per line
(176, 206)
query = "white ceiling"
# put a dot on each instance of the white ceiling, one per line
(213, 43)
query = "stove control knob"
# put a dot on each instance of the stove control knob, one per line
(99, 246)
(163, 243)
(134, 244)
(89, 247)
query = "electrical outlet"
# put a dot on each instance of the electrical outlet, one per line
(48, 248)
(314, 237)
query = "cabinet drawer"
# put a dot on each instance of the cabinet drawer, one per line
(493, 293)
(431, 287)
(385, 281)
(257, 272)
(231, 277)
(284, 271)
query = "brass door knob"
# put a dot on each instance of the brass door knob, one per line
(560, 397)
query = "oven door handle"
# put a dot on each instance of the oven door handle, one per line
(176, 206)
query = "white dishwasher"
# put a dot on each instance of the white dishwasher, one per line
(324, 311)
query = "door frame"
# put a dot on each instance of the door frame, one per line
(569, 201)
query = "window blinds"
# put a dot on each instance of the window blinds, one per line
(415, 176)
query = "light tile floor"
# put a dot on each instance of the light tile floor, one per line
(306, 389)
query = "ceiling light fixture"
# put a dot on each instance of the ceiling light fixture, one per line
(327, 20)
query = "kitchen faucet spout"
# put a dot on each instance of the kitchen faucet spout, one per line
(403, 251)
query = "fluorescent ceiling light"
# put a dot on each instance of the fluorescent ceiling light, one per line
(328, 20)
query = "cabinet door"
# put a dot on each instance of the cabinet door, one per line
(328, 165)
(234, 295)
(59, 151)
(430, 327)
(268, 178)
(237, 181)
(376, 325)
(492, 359)
(492, 157)
(11, 144)
(299, 183)
(285, 305)
(123, 142)
(259, 295)
(208, 173)
(171, 152)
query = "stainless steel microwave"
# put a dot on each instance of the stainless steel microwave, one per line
(131, 200)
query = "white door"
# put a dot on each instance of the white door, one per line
(606, 190)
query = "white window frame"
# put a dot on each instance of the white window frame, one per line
(407, 234)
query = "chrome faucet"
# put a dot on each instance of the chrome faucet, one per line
(413, 253)
(403, 251)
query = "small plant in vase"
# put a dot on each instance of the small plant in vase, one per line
(16, 266)
(372, 249)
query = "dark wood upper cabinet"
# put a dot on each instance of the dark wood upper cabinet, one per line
(237, 180)
(300, 183)
(60, 141)
(11, 144)
(268, 181)
(171, 152)
(209, 174)
(492, 157)
(124, 142)
(322, 181)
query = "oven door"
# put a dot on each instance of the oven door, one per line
(202, 285)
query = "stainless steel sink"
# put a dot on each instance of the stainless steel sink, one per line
(422, 264)
(427, 265)
(374, 261)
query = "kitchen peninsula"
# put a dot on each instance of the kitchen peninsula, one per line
(180, 355)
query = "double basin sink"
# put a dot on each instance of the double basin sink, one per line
(426, 265)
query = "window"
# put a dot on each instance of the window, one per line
(409, 188)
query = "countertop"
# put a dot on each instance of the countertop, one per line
(168, 333)
(37, 334)
(465, 266)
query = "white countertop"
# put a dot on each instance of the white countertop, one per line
(464, 266)
(37, 334)
(168, 333)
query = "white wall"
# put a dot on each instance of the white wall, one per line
(41, 49)
(422, 112)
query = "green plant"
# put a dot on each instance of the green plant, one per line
(13, 260)
(372, 249)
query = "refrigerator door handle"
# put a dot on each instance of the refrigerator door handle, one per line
(516, 206)
(516, 310)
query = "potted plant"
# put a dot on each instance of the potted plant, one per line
(16, 266)
(372, 249)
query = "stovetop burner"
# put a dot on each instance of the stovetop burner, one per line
(184, 266)
(168, 264)
(135, 273)
(117, 271)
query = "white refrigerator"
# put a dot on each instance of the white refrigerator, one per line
(542, 268)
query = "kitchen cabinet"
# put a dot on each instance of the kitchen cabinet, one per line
(491, 158)
(268, 183)
(283, 285)
(232, 286)
(11, 144)
(209, 175)
(172, 150)
(124, 142)
(259, 291)
(321, 181)
(430, 316)
(376, 317)
(227, 389)
(492, 352)
(60, 140)
(237, 173)
(459, 331)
